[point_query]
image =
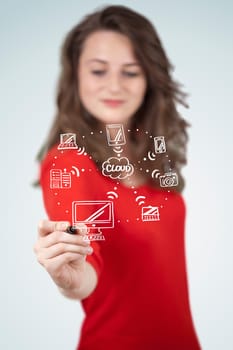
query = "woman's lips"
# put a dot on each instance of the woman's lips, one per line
(113, 103)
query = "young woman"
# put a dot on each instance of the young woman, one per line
(111, 168)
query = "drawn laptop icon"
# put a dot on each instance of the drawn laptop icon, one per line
(67, 141)
(150, 213)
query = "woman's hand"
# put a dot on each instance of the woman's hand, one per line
(62, 254)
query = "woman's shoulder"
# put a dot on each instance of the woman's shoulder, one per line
(63, 162)
(65, 157)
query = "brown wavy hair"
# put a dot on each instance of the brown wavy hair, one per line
(157, 116)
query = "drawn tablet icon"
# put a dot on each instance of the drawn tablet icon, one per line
(115, 135)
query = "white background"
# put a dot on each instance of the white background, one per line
(197, 36)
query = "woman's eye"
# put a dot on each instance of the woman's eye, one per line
(131, 74)
(98, 72)
(102, 72)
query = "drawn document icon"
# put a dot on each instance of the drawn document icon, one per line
(67, 141)
(55, 178)
(65, 180)
(115, 135)
(160, 145)
(150, 213)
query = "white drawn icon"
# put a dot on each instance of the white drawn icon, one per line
(118, 150)
(151, 155)
(117, 168)
(112, 195)
(155, 174)
(150, 213)
(60, 179)
(169, 179)
(96, 215)
(81, 150)
(115, 135)
(75, 171)
(67, 141)
(160, 145)
(140, 200)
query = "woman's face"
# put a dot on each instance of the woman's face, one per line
(111, 81)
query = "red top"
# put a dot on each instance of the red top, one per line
(141, 301)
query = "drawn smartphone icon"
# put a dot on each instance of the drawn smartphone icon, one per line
(160, 145)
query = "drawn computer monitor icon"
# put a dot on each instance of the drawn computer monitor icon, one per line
(96, 215)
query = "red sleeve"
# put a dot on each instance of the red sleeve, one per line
(64, 179)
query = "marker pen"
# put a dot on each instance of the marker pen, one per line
(72, 230)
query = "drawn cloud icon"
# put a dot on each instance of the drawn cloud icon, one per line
(117, 168)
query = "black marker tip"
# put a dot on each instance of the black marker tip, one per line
(71, 229)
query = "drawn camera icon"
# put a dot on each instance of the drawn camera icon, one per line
(168, 180)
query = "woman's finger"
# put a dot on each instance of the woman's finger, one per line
(81, 229)
(54, 265)
(47, 226)
(62, 237)
(61, 248)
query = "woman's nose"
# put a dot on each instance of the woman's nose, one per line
(114, 83)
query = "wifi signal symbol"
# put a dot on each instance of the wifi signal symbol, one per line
(140, 200)
(155, 173)
(151, 155)
(80, 150)
(117, 149)
(75, 171)
(112, 195)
